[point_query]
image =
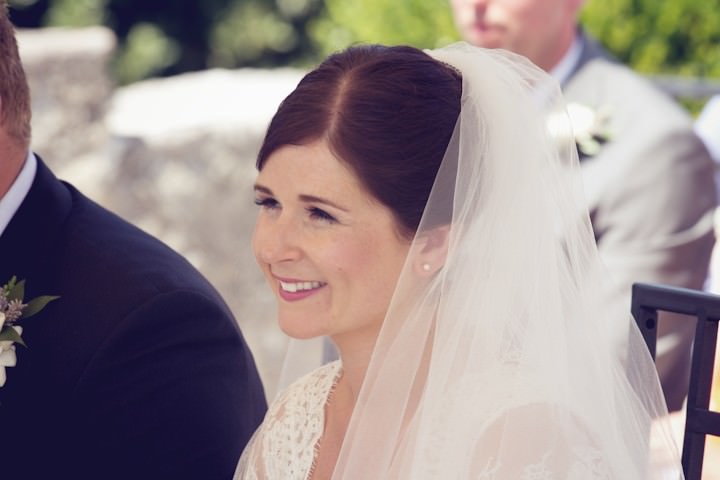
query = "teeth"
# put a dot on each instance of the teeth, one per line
(299, 286)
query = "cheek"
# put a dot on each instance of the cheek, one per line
(463, 12)
(515, 12)
(371, 266)
(351, 260)
(346, 258)
(258, 240)
(534, 16)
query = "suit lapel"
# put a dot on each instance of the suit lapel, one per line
(31, 237)
(590, 50)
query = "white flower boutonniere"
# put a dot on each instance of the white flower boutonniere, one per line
(12, 309)
(588, 129)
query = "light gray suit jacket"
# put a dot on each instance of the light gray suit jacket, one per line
(651, 196)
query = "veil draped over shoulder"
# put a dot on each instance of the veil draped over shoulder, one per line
(509, 363)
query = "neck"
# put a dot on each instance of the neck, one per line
(561, 47)
(354, 368)
(355, 356)
(12, 159)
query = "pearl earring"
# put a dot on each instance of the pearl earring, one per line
(426, 267)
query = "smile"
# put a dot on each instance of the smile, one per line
(294, 291)
(293, 287)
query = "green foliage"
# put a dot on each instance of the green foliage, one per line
(665, 37)
(163, 37)
(421, 23)
(146, 51)
(76, 13)
(262, 32)
(671, 37)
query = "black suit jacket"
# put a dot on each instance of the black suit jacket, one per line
(137, 371)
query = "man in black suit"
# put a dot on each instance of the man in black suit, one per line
(138, 370)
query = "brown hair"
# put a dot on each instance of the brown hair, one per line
(14, 89)
(386, 112)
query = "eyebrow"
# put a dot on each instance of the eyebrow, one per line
(304, 198)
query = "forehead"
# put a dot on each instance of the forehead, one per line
(310, 167)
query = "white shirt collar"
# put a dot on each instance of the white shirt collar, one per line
(564, 68)
(11, 201)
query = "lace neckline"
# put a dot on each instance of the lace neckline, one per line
(337, 373)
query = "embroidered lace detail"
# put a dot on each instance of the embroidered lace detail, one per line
(285, 447)
(589, 464)
(489, 470)
(537, 471)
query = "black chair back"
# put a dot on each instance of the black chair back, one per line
(647, 300)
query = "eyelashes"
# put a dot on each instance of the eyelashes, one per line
(320, 214)
(315, 213)
(266, 203)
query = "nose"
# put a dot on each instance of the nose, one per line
(276, 240)
(480, 6)
(469, 10)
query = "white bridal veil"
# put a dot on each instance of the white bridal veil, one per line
(509, 363)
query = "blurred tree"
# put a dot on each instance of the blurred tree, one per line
(265, 33)
(670, 37)
(667, 37)
(163, 37)
(160, 37)
(421, 23)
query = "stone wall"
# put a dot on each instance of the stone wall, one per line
(174, 156)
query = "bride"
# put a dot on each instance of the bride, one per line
(424, 211)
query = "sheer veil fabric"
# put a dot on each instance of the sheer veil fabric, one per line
(508, 363)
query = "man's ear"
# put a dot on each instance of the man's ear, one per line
(431, 250)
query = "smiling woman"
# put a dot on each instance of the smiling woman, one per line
(415, 209)
(329, 251)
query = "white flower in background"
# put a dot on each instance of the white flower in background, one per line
(588, 129)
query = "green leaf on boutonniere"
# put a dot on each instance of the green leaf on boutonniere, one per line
(9, 333)
(16, 290)
(37, 304)
(10, 284)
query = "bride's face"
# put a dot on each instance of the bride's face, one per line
(329, 251)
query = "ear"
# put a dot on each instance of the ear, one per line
(432, 249)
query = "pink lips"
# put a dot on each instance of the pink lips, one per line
(298, 295)
(485, 29)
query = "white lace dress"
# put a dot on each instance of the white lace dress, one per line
(284, 446)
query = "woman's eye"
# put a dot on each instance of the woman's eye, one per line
(319, 214)
(267, 203)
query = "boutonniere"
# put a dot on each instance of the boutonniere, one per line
(591, 128)
(12, 310)
(579, 124)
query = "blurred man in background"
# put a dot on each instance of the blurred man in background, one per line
(648, 178)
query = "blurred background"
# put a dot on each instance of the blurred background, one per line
(156, 108)
(161, 37)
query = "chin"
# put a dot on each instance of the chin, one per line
(485, 39)
(299, 329)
